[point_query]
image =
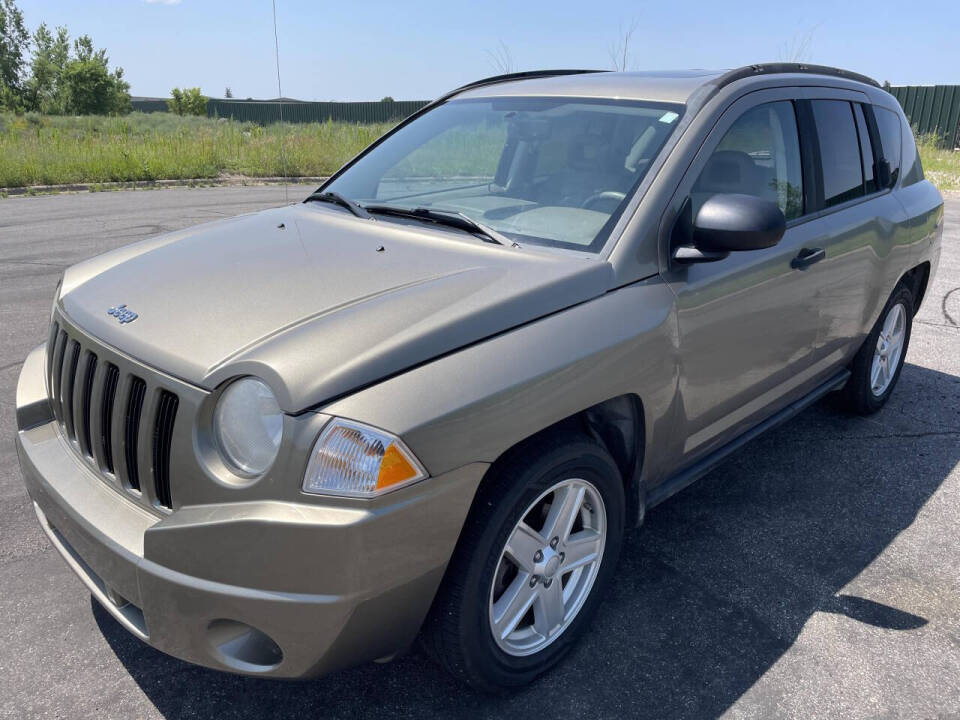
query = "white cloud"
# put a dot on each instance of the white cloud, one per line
(163, 2)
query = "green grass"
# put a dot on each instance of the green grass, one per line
(940, 166)
(43, 150)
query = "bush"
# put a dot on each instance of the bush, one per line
(189, 101)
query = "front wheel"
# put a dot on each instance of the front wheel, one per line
(877, 365)
(540, 545)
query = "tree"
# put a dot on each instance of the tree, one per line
(387, 99)
(14, 42)
(44, 91)
(501, 58)
(620, 50)
(189, 101)
(799, 47)
(228, 93)
(89, 86)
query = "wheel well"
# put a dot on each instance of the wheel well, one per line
(618, 425)
(916, 279)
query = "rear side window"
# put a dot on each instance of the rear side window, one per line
(839, 151)
(759, 155)
(888, 124)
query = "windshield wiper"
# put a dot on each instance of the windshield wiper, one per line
(450, 218)
(336, 198)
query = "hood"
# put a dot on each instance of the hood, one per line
(314, 301)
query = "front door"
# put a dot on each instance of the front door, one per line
(747, 324)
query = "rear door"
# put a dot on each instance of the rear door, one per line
(854, 217)
(748, 324)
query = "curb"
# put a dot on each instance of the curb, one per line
(156, 184)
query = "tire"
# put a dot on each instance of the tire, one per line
(458, 633)
(863, 393)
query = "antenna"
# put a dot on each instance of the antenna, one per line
(283, 152)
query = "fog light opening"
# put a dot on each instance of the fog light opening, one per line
(243, 647)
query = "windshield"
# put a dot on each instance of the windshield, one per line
(548, 171)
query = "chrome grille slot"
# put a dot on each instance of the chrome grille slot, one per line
(51, 351)
(123, 420)
(57, 375)
(131, 429)
(106, 415)
(67, 387)
(162, 439)
(85, 401)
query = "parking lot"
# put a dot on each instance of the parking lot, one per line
(814, 574)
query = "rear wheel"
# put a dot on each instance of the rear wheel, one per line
(877, 365)
(538, 549)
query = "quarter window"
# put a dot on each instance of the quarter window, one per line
(888, 123)
(839, 151)
(760, 156)
(912, 168)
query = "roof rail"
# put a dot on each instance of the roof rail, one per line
(508, 77)
(780, 68)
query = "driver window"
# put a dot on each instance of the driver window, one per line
(760, 156)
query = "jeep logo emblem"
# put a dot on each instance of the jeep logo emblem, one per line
(121, 313)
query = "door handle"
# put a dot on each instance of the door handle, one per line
(807, 257)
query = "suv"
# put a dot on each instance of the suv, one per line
(430, 399)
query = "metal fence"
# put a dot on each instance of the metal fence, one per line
(265, 111)
(932, 110)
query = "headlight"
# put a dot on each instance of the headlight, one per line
(354, 459)
(247, 424)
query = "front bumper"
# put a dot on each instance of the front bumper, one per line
(279, 589)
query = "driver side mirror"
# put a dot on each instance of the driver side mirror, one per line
(731, 222)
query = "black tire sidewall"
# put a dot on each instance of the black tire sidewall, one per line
(483, 657)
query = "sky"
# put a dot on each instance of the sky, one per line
(414, 50)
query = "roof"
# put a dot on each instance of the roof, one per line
(669, 86)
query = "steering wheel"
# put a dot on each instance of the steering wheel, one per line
(606, 196)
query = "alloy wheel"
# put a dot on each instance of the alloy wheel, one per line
(547, 567)
(886, 357)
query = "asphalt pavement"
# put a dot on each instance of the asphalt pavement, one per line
(814, 574)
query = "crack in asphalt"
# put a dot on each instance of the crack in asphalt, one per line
(10, 365)
(948, 326)
(943, 306)
(892, 436)
(32, 262)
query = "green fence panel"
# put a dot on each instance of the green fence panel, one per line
(953, 115)
(932, 109)
(266, 112)
(302, 112)
(149, 106)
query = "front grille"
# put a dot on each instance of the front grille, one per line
(120, 423)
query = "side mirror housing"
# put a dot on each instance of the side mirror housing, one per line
(734, 222)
